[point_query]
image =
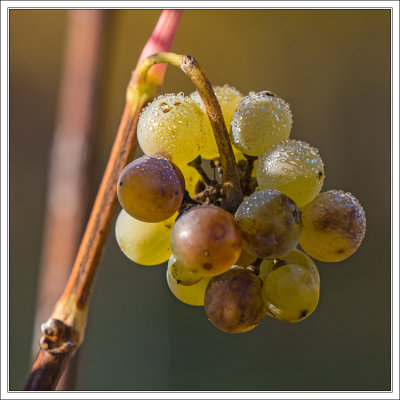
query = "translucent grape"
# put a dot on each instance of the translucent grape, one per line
(334, 226)
(142, 242)
(290, 293)
(172, 125)
(192, 295)
(207, 240)
(229, 99)
(181, 274)
(151, 188)
(294, 257)
(192, 177)
(293, 167)
(245, 259)
(270, 223)
(261, 120)
(233, 300)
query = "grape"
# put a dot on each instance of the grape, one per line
(233, 300)
(207, 240)
(151, 188)
(290, 293)
(270, 223)
(294, 257)
(293, 167)
(261, 120)
(229, 99)
(245, 259)
(192, 295)
(334, 226)
(181, 274)
(172, 125)
(142, 242)
(192, 177)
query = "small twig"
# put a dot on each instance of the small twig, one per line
(211, 194)
(246, 177)
(196, 164)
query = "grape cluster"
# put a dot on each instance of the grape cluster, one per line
(245, 265)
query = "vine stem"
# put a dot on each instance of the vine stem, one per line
(230, 177)
(64, 331)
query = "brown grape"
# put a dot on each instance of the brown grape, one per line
(207, 240)
(270, 223)
(233, 301)
(151, 188)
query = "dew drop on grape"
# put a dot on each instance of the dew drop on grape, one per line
(294, 168)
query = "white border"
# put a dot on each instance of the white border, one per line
(4, 394)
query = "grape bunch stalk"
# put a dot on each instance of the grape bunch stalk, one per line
(240, 262)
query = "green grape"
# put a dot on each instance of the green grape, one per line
(261, 120)
(172, 125)
(229, 99)
(233, 301)
(270, 223)
(192, 295)
(290, 293)
(192, 177)
(334, 226)
(245, 259)
(293, 167)
(206, 240)
(151, 188)
(181, 274)
(142, 242)
(294, 257)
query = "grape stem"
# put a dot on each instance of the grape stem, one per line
(255, 266)
(246, 178)
(63, 333)
(231, 187)
(196, 164)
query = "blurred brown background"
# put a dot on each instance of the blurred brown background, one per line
(333, 67)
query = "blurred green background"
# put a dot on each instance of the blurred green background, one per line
(334, 68)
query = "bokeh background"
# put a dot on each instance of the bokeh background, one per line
(334, 68)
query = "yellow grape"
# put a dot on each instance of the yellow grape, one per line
(142, 242)
(173, 126)
(290, 293)
(294, 257)
(294, 168)
(182, 275)
(261, 120)
(192, 295)
(191, 178)
(334, 226)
